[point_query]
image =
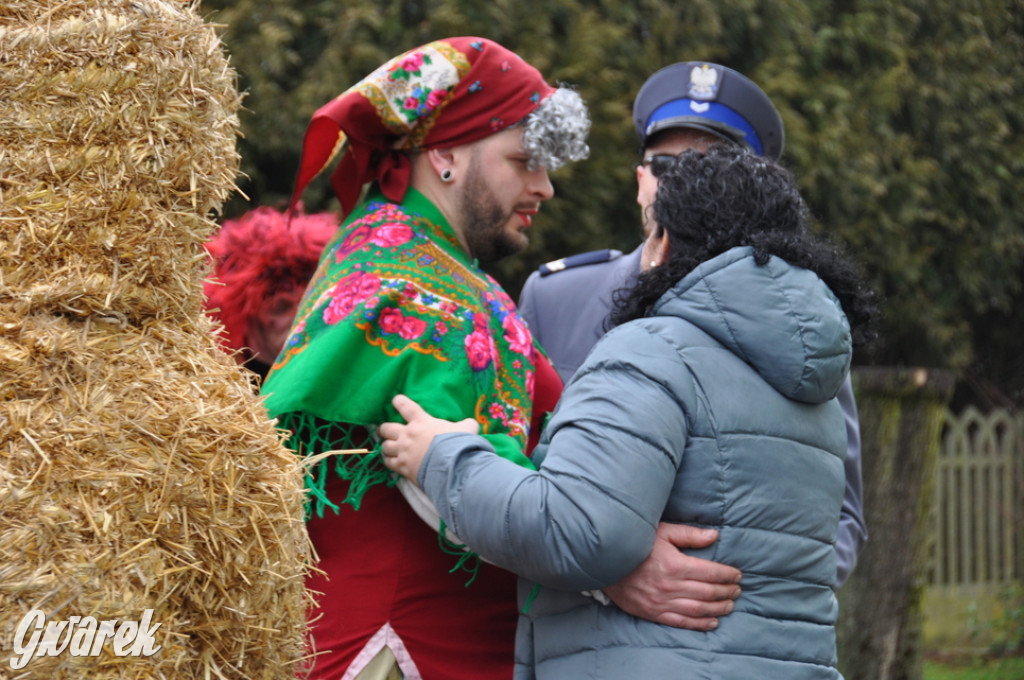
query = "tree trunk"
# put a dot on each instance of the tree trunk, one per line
(901, 413)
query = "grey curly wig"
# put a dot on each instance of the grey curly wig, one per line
(555, 133)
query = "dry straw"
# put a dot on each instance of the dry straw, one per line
(137, 469)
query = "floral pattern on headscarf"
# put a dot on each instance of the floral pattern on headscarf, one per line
(408, 90)
(445, 93)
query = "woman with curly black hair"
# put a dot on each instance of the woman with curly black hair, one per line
(712, 403)
(728, 197)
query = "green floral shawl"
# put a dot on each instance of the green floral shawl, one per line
(397, 306)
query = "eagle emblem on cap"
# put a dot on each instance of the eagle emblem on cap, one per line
(703, 82)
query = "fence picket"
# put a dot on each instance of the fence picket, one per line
(978, 499)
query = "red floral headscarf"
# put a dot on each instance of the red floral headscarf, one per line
(445, 93)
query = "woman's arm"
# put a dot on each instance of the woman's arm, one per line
(588, 517)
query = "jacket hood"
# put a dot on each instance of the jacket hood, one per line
(782, 320)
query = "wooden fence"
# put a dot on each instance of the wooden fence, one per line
(977, 545)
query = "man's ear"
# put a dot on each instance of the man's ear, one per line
(441, 159)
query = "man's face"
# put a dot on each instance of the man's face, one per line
(500, 196)
(268, 330)
(670, 142)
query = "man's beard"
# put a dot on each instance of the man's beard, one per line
(484, 221)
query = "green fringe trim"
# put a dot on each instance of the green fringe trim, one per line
(311, 436)
(468, 562)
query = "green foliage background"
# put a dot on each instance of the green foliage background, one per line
(903, 123)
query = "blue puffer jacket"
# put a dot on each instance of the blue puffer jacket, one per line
(718, 411)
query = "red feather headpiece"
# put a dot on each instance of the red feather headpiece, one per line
(258, 256)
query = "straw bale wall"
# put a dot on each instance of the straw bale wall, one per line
(137, 468)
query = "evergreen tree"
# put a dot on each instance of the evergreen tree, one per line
(903, 123)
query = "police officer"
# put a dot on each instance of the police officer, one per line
(688, 105)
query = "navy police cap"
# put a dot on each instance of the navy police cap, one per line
(709, 97)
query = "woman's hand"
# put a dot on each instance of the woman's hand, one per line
(404, 446)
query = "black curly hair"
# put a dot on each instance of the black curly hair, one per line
(725, 197)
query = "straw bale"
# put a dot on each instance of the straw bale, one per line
(137, 469)
(117, 145)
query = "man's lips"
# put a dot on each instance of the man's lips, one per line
(526, 216)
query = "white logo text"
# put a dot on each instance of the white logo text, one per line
(82, 636)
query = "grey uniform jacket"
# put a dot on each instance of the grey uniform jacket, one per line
(566, 306)
(719, 410)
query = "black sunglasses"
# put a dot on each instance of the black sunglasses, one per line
(658, 162)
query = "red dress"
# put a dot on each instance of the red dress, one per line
(389, 585)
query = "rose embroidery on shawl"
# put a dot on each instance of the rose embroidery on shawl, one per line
(352, 242)
(480, 346)
(390, 235)
(518, 423)
(355, 288)
(501, 296)
(392, 320)
(382, 211)
(497, 412)
(516, 335)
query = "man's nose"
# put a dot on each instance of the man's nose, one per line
(540, 184)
